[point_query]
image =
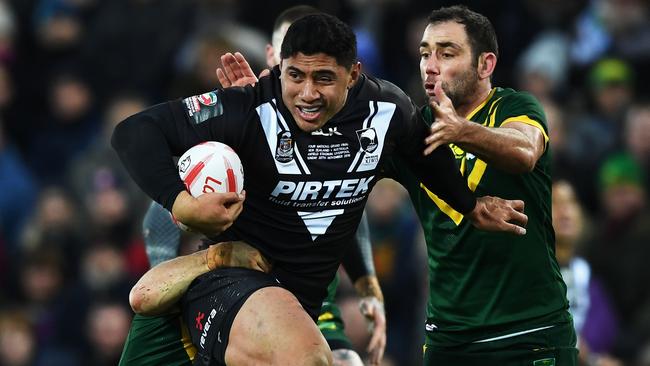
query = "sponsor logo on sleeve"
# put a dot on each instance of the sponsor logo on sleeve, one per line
(201, 108)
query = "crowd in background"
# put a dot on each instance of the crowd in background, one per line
(70, 216)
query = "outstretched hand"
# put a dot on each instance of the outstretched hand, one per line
(236, 71)
(448, 126)
(497, 214)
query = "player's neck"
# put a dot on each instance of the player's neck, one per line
(480, 95)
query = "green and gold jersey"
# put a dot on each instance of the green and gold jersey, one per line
(485, 285)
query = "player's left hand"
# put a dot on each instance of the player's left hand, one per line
(236, 71)
(448, 126)
(497, 214)
(373, 309)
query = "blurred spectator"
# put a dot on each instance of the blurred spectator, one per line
(593, 315)
(15, 208)
(637, 135)
(7, 32)
(100, 159)
(73, 124)
(199, 62)
(398, 250)
(543, 67)
(103, 277)
(132, 43)
(17, 339)
(612, 26)
(598, 132)
(107, 327)
(619, 252)
(56, 223)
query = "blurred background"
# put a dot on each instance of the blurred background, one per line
(70, 217)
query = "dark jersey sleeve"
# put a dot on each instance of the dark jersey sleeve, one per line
(437, 171)
(147, 141)
(358, 261)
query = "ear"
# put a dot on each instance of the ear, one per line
(487, 61)
(270, 55)
(355, 71)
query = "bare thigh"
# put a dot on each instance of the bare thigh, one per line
(272, 328)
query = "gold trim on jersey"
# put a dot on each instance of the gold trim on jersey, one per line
(480, 106)
(477, 172)
(325, 316)
(187, 340)
(529, 121)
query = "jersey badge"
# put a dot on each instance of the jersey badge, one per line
(284, 150)
(368, 139)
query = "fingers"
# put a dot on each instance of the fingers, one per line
(519, 218)
(518, 205)
(223, 80)
(440, 93)
(227, 61)
(264, 73)
(434, 144)
(244, 67)
(514, 229)
(378, 341)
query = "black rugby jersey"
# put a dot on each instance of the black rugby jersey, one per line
(305, 191)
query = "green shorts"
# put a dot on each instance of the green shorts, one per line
(330, 322)
(554, 346)
(158, 340)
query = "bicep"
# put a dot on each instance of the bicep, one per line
(534, 134)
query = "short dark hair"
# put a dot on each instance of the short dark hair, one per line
(292, 14)
(321, 33)
(480, 32)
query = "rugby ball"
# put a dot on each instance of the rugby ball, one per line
(209, 167)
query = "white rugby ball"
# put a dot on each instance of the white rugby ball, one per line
(209, 167)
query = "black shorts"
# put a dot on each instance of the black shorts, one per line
(210, 305)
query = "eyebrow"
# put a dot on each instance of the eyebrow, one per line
(447, 44)
(317, 72)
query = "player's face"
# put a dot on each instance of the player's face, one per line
(446, 55)
(315, 87)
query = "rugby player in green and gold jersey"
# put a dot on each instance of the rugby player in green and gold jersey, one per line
(495, 298)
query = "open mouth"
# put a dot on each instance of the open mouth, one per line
(428, 87)
(309, 114)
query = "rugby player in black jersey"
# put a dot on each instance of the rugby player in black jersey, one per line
(305, 191)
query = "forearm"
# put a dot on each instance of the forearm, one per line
(358, 260)
(163, 285)
(439, 173)
(506, 148)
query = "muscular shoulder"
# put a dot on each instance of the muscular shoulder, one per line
(514, 103)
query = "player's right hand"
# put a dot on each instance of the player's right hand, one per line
(497, 214)
(210, 213)
(236, 254)
(236, 71)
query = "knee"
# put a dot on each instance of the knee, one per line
(346, 357)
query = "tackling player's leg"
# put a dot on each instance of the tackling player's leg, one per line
(332, 327)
